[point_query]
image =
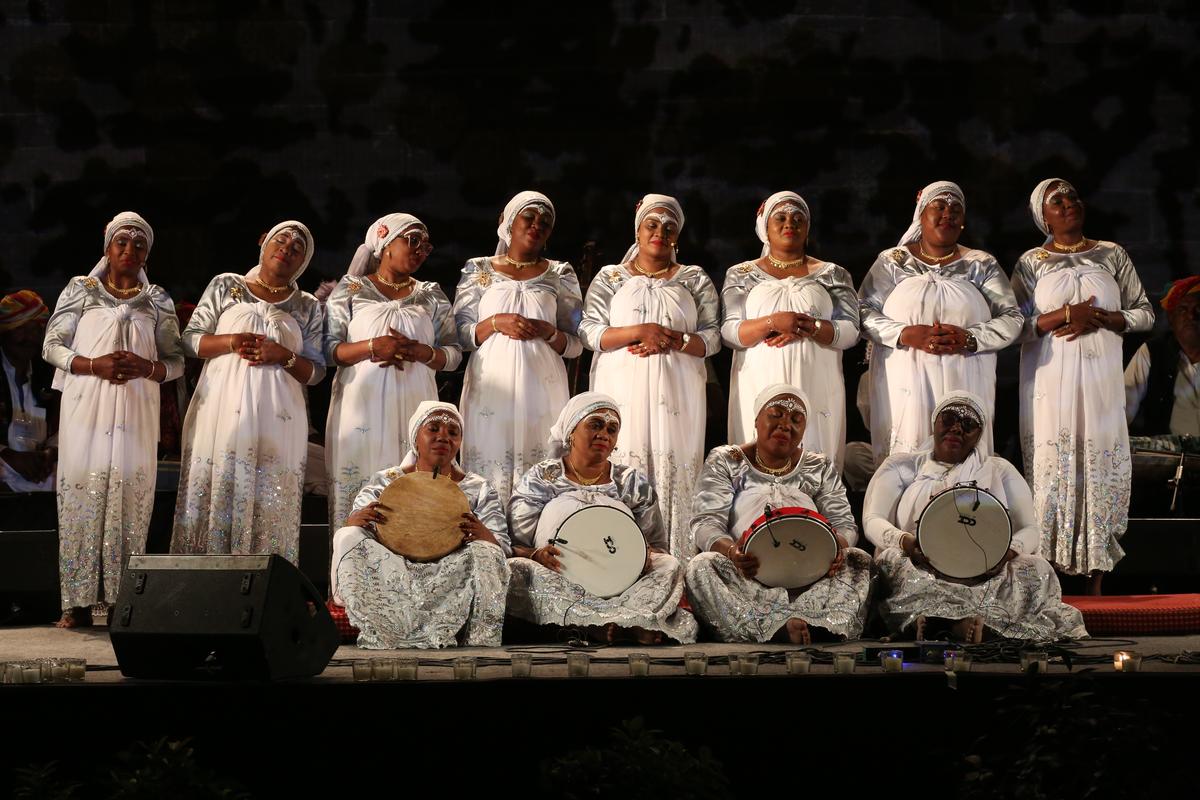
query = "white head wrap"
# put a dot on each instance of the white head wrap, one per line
(644, 207)
(961, 397)
(577, 409)
(763, 398)
(424, 411)
(944, 189)
(511, 210)
(126, 219)
(1037, 202)
(308, 248)
(381, 233)
(768, 206)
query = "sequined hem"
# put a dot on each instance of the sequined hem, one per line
(739, 609)
(1024, 601)
(544, 597)
(397, 603)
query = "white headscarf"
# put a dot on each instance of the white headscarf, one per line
(1037, 202)
(126, 219)
(381, 233)
(577, 409)
(514, 207)
(308, 248)
(934, 477)
(644, 207)
(945, 189)
(763, 398)
(768, 206)
(424, 411)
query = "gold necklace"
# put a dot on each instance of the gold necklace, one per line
(932, 257)
(520, 264)
(126, 292)
(777, 264)
(398, 285)
(639, 268)
(582, 480)
(259, 282)
(785, 469)
(1072, 248)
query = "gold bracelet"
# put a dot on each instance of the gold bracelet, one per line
(231, 339)
(1067, 312)
(432, 355)
(494, 328)
(91, 369)
(291, 362)
(371, 347)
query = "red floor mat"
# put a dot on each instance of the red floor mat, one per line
(1139, 614)
(348, 632)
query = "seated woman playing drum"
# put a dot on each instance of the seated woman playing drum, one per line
(590, 541)
(1017, 596)
(769, 488)
(395, 601)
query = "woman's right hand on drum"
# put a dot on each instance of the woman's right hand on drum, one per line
(368, 516)
(746, 563)
(908, 543)
(840, 558)
(515, 326)
(547, 556)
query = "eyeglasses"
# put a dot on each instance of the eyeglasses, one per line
(418, 242)
(950, 418)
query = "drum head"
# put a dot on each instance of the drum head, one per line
(964, 532)
(603, 549)
(793, 550)
(423, 516)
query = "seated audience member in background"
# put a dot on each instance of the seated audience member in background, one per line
(1162, 380)
(28, 408)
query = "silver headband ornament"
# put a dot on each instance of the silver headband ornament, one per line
(441, 417)
(132, 231)
(604, 416)
(788, 403)
(963, 411)
(788, 207)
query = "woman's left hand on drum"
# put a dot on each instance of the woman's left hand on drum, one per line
(474, 530)
(840, 558)
(746, 563)
(908, 543)
(547, 556)
(996, 570)
(368, 516)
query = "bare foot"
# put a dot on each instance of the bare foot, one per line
(77, 617)
(797, 631)
(644, 636)
(969, 630)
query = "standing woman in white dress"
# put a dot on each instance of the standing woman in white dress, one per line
(936, 312)
(245, 437)
(652, 322)
(389, 334)
(520, 312)
(787, 317)
(1079, 296)
(114, 338)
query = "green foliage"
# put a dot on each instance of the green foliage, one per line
(637, 763)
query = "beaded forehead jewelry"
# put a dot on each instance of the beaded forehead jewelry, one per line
(1062, 187)
(538, 207)
(441, 417)
(604, 416)
(662, 218)
(291, 235)
(948, 197)
(788, 403)
(788, 207)
(132, 231)
(964, 411)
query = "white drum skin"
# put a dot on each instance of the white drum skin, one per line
(964, 531)
(602, 548)
(794, 547)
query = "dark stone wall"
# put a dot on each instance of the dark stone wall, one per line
(216, 119)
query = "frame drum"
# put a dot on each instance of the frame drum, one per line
(794, 547)
(964, 531)
(602, 548)
(425, 512)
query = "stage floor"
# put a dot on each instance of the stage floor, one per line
(46, 641)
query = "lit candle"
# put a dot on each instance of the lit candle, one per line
(956, 660)
(843, 663)
(1127, 661)
(748, 663)
(892, 660)
(695, 662)
(798, 662)
(639, 664)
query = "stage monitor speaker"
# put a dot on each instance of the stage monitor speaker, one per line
(219, 617)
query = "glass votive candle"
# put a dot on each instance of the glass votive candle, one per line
(361, 670)
(843, 663)
(1035, 661)
(695, 662)
(406, 668)
(956, 660)
(522, 665)
(892, 660)
(464, 668)
(639, 665)
(1127, 661)
(54, 671)
(383, 669)
(578, 665)
(748, 664)
(735, 667)
(76, 668)
(798, 662)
